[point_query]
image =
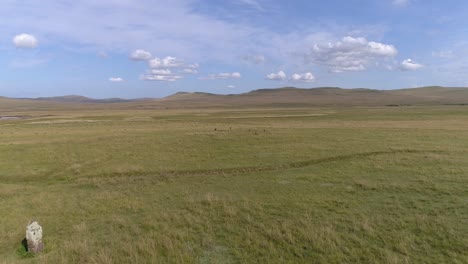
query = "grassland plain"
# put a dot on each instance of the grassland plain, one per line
(292, 185)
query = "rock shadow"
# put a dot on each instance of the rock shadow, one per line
(24, 243)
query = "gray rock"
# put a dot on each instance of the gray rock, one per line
(34, 237)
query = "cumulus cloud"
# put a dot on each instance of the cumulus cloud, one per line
(224, 75)
(296, 77)
(303, 77)
(141, 55)
(25, 41)
(350, 54)
(280, 76)
(208, 38)
(116, 79)
(168, 69)
(409, 65)
(254, 59)
(167, 62)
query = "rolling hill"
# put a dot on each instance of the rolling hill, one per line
(280, 97)
(326, 96)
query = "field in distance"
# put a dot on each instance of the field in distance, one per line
(124, 184)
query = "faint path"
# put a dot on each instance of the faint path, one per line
(249, 170)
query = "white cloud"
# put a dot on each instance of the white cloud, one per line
(235, 75)
(25, 41)
(167, 62)
(224, 75)
(231, 86)
(208, 37)
(303, 77)
(126, 25)
(160, 72)
(116, 79)
(409, 65)
(254, 59)
(280, 76)
(296, 77)
(191, 68)
(162, 78)
(349, 54)
(190, 71)
(165, 75)
(165, 69)
(400, 2)
(141, 55)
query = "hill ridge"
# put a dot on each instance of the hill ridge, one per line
(284, 96)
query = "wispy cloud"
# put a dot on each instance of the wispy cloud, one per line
(400, 2)
(254, 59)
(224, 75)
(162, 78)
(103, 55)
(28, 63)
(253, 3)
(444, 54)
(148, 29)
(116, 79)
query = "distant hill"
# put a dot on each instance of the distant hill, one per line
(79, 99)
(187, 95)
(280, 97)
(326, 96)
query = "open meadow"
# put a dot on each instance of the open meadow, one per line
(120, 184)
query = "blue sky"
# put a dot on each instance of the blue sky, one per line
(143, 48)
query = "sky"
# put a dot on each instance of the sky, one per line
(151, 48)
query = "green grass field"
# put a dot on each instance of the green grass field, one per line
(292, 185)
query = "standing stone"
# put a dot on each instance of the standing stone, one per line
(34, 237)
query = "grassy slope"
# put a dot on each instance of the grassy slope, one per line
(310, 185)
(323, 97)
